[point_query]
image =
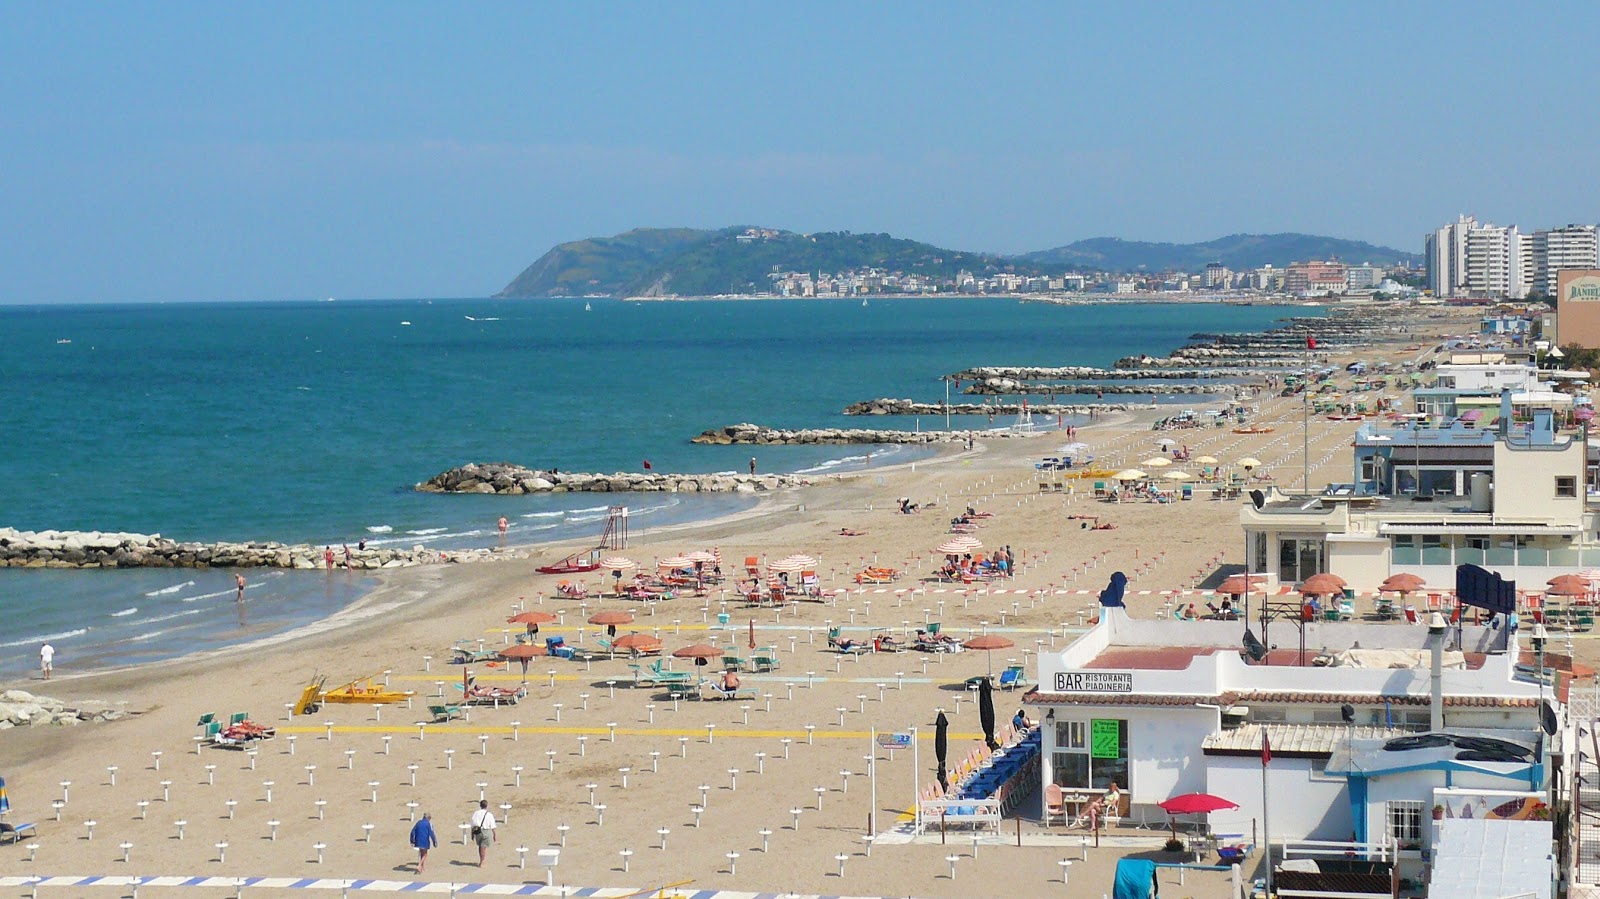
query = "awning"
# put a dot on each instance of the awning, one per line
(1507, 528)
(1480, 858)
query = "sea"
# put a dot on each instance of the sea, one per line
(312, 421)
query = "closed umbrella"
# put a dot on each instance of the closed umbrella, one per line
(5, 801)
(986, 712)
(941, 748)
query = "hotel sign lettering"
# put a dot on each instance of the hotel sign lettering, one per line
(1094, 682)
(1579, 287)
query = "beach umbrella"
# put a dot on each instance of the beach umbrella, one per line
(675, 562)
(618, 563)
(968, 540)
(1194, 804)
(697, 651)
(1240, 584)
(612, 617)
(801, 559)
(1207, 460)
(1177, 475)
(941, 748)
(989, 643)
(1402, 583)
(1567, 585)
(1249, 462)
(1156, 462)
(523, 653)
(638, 642)
(785, 565)
(1322, 585)
(986, 712)
(1166, 441)
(952, 547)
(532, 618)
(1072, 449)
(1130, 474)
(700, 555)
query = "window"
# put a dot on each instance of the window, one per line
(1070, 735)
(1566, 485)
(1405, 823)
(1091, 754)
(1269, 715)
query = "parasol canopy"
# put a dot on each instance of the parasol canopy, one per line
(1207, 460)
(1196, 804)
(1404, 582)
(1322, 585)
(611, 616)
(989, 643)
(639, 642)
(532, 618)
(618, 563)
(1177, 475)
(1156, 462)
(700, 555)
(1238, 584)
(1130, 474)
(1567, 585)
(1166, 441)
(802, 560)
(697, 651)
(786, 565)
(675, 562)
(1249, 462)
(953, 547)
(524, 651)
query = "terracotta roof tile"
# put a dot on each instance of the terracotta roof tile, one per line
(1036, 697)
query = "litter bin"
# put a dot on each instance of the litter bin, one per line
(723, 618)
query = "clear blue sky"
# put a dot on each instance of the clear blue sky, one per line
(192, 152)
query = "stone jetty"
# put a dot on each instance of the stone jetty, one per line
(95, 549)
(890, 406)
(757, 434)
(515, 480)
(19, 708)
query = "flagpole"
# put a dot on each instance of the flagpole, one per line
(1305, 418)
(1266, 830)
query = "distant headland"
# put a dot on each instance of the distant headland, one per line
(658, 262)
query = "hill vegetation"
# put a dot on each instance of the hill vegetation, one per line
(695, 262)
(1236, 251)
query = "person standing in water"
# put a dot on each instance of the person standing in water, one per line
(238, 581)
(503, 525)
(752, 465)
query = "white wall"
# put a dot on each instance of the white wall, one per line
(1303, 808)
(1163, 748)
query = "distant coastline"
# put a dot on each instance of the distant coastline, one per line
(1087, 299)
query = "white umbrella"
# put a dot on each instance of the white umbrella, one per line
(1249, 462)
(1207, 460)
(1073, 449)
(675, 562)
(1177, 475)
(700, 555)
(1157, 462)
(966, 541)
(1166, 441)
(1131, 474)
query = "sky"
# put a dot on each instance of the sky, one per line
(186, 152)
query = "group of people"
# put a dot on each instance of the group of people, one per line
(998, 563)
(482, 822)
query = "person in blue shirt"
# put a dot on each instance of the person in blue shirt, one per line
(423, 838)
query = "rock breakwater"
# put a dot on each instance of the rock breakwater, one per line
(890, 406)
(757, 434)
(95, 549)
(19, 708)
(515, 480)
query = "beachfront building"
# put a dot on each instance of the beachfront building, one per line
(1445, 252)
(1162, 707)
(1364, 277)
(1512, 499)
(1556, 249)
(1496, 262)
(1312, 279)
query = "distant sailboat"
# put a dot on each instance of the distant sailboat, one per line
(863, 302)
(587, 307)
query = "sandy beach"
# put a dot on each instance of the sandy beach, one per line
(802, 743)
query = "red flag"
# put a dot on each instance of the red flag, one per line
(1266, 749)
(1311, 343)
(647, 465)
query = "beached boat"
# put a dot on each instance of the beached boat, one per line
(577, 563)
(1254, 429)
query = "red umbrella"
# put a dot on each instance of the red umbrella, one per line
(1567, 585)
(989, 643)
(698, 651)
(752, 633)
(1322, 585)
(1402, 583)
(523, 652)
(1236, 585)
(611, 617)
(1194, 804)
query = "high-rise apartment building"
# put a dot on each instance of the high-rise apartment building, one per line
(1445, 252)
(1555, 249)
(1469, 258)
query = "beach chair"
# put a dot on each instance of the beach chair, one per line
(765, 659)
(444, 713)
(718, 693)
(846, 645)
(752, 566)
(681, 689)
(1100, 489)
(1012, 677)
(13, 833)
(732, 661)
(658, 673)
(1054, 805)
(809, 584)
(557, 647)
(205, 719)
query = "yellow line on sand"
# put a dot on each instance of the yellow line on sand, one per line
(820, 732)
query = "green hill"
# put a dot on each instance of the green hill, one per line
(1236, 251)
(601, 264)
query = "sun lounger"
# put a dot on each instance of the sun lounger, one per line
(443, 713)
(765, 659)
(711, 690)
(12, 833)
(1012, 678)
(684, 689)
(656, 673)
(846, 645)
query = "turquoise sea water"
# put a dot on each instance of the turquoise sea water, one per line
(311, 422)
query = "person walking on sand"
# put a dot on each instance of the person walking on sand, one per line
(483, 825)
(238, 582)
(47, 658)
(423, 838)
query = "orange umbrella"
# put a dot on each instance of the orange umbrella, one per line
(1567, 585)
(698, 651)
(532, 618)
(523, 652)
(640, 642)
(1237, 585)
(1322, 585)
(612, 616)
(1401, 583)
(989, 643)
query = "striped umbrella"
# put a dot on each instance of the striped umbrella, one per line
(802, 559)
(675, 562)
(700, 555)
(618, 563)
(789, 564)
